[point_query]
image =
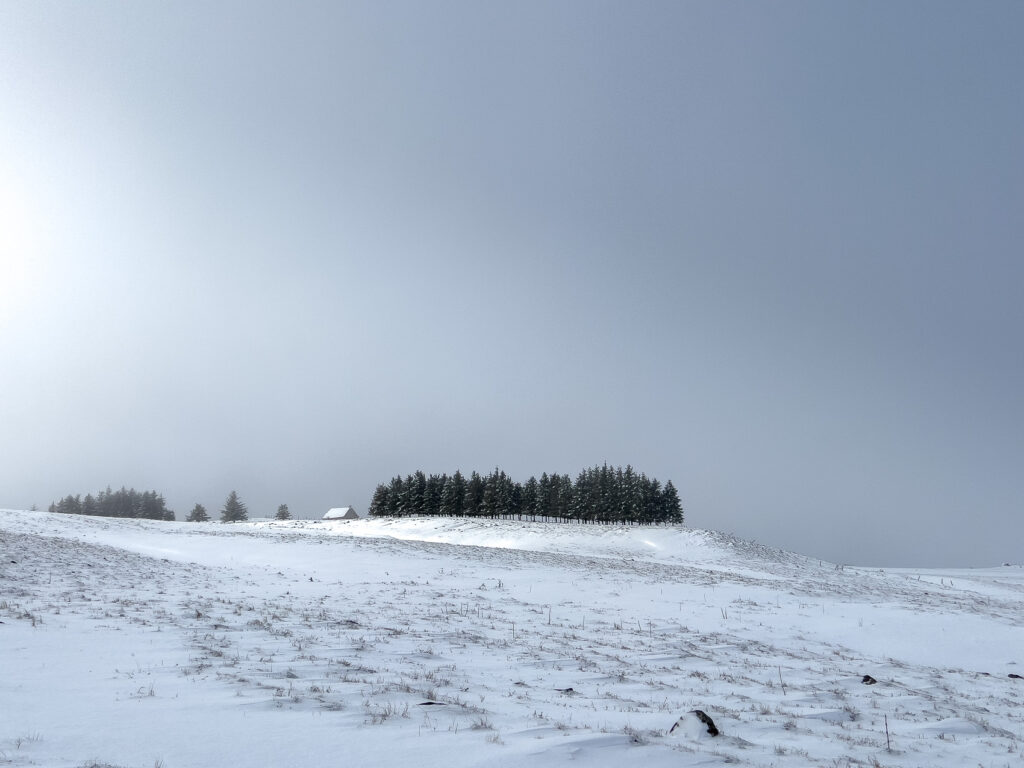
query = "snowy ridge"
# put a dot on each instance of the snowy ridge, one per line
(489, 643)
(661, 543)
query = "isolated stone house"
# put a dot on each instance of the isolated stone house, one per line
(341, 513)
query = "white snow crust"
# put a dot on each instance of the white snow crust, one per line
(439, 642)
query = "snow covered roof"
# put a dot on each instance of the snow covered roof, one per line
(341, 513)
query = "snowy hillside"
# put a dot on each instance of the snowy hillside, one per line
(482, 643)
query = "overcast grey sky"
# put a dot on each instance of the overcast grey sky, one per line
(769, 251)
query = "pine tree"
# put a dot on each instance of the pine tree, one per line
(379, 502)
(528, 498)
(542, 503)
(504, 495)
(516, 500)
(123, 503)
(414, 492)
(583, 496)
(474, 496)
(283, 513)
(151, 506)
(488, 499)
(452, 495)
(396, 492)
(234, 510)
(197, 515)
(432, 494)
(564, 495)
(652, 502)
(671, 507)
(629, 504)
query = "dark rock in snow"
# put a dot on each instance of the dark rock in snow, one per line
(1015, 676)
(868, 680)
(707, 721)
(686, 723)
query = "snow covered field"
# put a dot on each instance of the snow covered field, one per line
(482, 643)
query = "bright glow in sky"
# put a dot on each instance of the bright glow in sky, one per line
(20, 251)
(770, 252)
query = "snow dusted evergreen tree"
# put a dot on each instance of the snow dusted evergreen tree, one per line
(379, 502)
(564, 493)
(671, 507)
(488, 499)
(473, 499)
(652, 500)
(502, 498)
(432, 495)
(395, 492)
(528, 498)
(283, 513)
(197, 515)
(452, 495)
(71, 505)
(234, 510)
(152, 506)
(544, 501)
(413, 494)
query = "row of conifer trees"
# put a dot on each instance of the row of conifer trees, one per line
(150, 505)
(233, 511)
(126, 502)
(598, 495)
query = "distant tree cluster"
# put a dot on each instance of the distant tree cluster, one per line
(233, 511)
(126, 502)
(150, 505)
(599, 495)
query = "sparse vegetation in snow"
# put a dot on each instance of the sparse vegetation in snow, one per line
(493, 642)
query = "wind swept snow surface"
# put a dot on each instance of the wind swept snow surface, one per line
(480, 643)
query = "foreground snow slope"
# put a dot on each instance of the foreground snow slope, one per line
(479, 643)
